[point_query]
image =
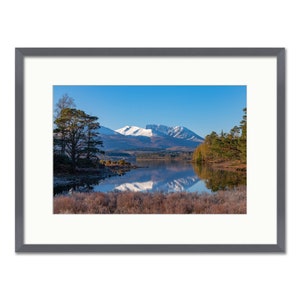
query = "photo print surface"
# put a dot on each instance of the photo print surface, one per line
(149, 149)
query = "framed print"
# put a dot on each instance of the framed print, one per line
(150, 150)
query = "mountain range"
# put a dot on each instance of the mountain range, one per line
(151, 138)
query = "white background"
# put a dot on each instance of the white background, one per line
(141, 24)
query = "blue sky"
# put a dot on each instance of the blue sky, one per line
(200, 108)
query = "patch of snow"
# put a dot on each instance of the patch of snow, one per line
(178, 132)
(135, 186)
(135, 131)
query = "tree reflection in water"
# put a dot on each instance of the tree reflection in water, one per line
(216, 180)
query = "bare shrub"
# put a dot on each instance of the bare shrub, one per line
(222, 202)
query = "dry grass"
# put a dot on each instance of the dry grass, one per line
(222, 202)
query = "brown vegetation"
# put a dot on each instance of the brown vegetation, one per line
(222, 202)
(231, 166)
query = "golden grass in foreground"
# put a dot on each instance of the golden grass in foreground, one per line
(222, 202)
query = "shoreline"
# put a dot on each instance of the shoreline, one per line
(230, 166)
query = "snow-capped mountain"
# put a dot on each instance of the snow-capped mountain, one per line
(152, 138)
(178, 132)
(135, 131)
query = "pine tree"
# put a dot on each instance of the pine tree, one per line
(79, 132)
(224, 146)
(242, 145)
(93, 141)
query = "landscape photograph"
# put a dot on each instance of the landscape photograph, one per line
(153, 149)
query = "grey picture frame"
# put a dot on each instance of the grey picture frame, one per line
(22, 53)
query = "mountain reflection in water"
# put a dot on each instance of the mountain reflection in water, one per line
(162, 176)
(154, 176)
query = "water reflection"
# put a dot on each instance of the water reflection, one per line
(83, 184)
(216, 180)
(160, 176)
(154, 176)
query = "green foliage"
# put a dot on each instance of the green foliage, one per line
(224, 146)
(92, 138)
(243, 139)
(76, 136)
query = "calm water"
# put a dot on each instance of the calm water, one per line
(161, 176)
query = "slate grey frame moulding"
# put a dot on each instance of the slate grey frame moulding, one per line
(22, 53)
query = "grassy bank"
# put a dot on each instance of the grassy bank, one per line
(222, 202)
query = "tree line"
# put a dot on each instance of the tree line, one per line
(165, 155)
(230, 146)
(76, 135)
